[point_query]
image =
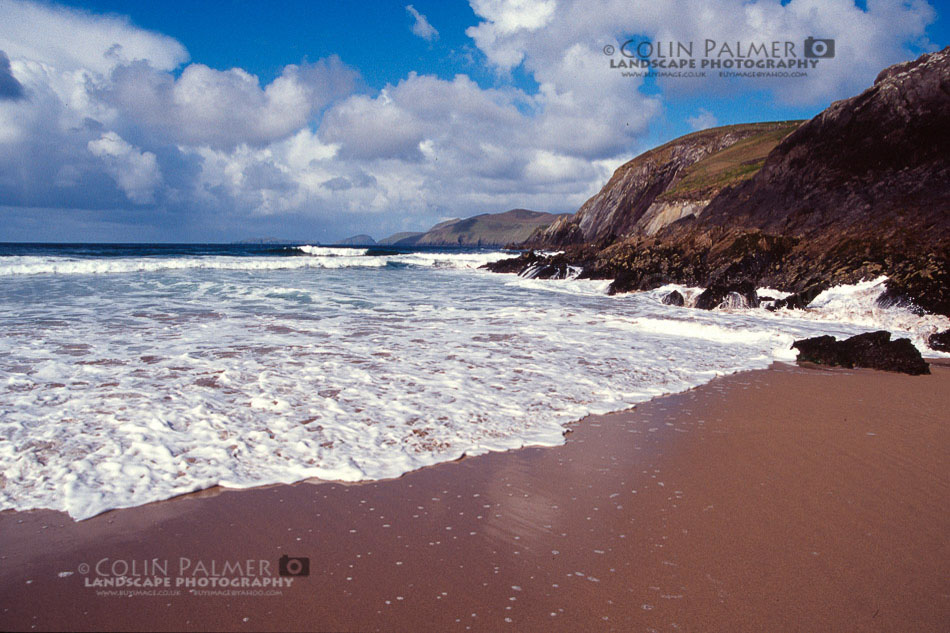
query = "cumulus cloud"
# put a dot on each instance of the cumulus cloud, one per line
(222, 109)
(70, 40)
(135, 171)
(421, 26)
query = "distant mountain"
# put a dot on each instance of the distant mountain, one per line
(396, 237)
(488, 229)
(358, 240)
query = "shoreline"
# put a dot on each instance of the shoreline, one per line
(693, 511)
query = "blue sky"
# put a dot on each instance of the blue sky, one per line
(215, 121)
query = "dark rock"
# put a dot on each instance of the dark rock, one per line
(922, 284)
(822, 350)
(874, 350)
(513, 264)
(895, 297)
(674, 299)
(940, 341)
(563, 232)
(740, 294)
(633, 280)
(799, 300)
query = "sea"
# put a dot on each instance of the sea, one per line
(135, 373)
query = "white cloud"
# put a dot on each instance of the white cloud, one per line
(135, 171)
(511, 34)
(68, 39)
(421, 26)
(702, 120)
(509, 16)
(225, 108)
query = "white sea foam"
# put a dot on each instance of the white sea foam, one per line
(327, 251)
(319, 257)
(854, 304)
(857, 304)
(120, 390)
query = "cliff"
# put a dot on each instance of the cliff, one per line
(881, 158)
(861, 190)
(673, 181)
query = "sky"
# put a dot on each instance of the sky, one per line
(222, 120)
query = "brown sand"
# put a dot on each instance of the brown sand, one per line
(785, 499)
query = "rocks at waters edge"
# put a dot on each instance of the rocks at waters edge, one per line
(940, 341)
(798, 300)
(674, 299)
(874, 350)
(738, 295)
(513, 264)
(532, 265)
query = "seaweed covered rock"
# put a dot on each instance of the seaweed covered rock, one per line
(874, 350)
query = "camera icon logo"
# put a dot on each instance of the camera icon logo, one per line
(817, 48)
(290, 566)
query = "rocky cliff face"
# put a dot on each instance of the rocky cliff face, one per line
(861, 190)
(880, 159)
(666, 184)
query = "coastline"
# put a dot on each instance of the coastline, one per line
(773, 499)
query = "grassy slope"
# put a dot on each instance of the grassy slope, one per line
(730, 166)
(491, 229)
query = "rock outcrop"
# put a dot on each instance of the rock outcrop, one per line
(874, 350)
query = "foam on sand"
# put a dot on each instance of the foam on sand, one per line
(117, 390)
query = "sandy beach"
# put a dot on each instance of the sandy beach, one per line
(785, 499)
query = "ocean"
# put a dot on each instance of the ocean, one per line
(135, 373)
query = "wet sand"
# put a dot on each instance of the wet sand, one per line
(784, 499)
